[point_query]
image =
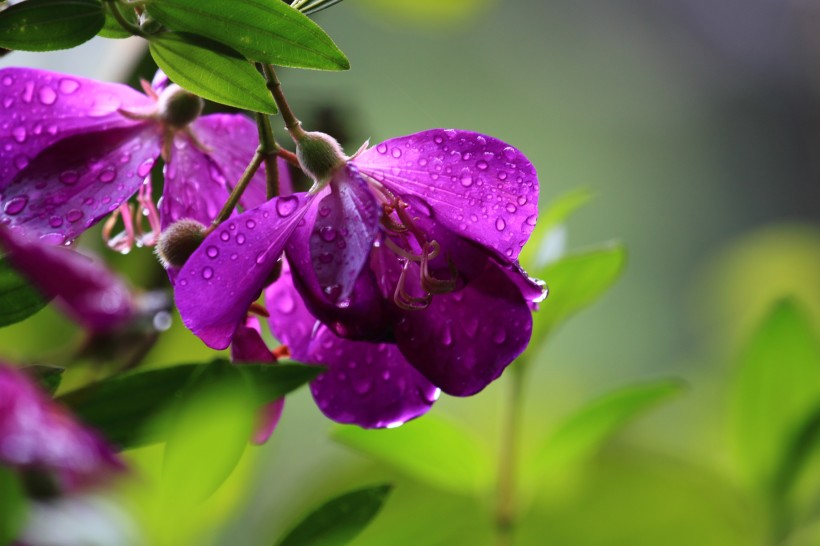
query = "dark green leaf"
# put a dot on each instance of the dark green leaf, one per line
(576, 281)
(46, 25)
(339, 520)
(776, 388)
(13, 506)
(48, 377)
(309, 7)
(262, 30)
(112, 27)
(211, 70)
(585, 431)
(18, 299)
(120, 406)
(430, 449)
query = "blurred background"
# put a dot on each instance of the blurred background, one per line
(694, 125)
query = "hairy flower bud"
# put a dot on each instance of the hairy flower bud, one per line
(178, 107)
(320, 155)
(178, 242)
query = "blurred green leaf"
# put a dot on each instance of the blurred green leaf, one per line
(13, 506)
(48, 377)
(261, 30)
(309, 7)
(776, 387)
(18, 299)
(548, 239)
(119, 407)
(562, 207)
(430, 449)
(112, 28)
(584, 432)
(211, 70)
(46, 25)
(339, 520)
(574, 282)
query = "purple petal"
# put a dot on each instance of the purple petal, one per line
(36, 433)
(343, 233)
(229, 270)
(194, 186)
(269, 416)
(368, 384)
(465, 339)
(79, 180)
(87, 291)
(479, 186)
(39, 108)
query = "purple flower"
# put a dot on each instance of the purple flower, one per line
(413, 243)
(74, 150)
(86, 290)
(37, 434)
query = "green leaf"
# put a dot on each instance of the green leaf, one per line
(580, 435)
(430, 449)
(574, 282)
(211, 70)
(48, 377)
(262, 30)
(14, 506)
(46, 25)
(548, 239)
(112, 28)
(339, 520)
(18, 299)
(119, 407)
(776, 388)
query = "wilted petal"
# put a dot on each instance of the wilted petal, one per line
(346, 224)
(39, 108)
(368, 384)
(229, 270)
(37, 434)
(465, 339)
(479, 186)
(79, 180)
(87, 291)
(194, 185)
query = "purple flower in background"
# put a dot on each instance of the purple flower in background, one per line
(37, 434)
(74, 150)
(86, 290)
(412, 242)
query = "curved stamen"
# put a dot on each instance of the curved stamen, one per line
(404, 300)
(431, 284)
(401, 252)
(124, 241)
(147, 209)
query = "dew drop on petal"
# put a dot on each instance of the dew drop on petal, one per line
(502, 175)
(47, 95)
(511, 208)
(212, 252)
(467, 181)
(207, 273)
(328, 234)
(16, 205)
(286, 206)
(55, 221)
(145, 168)
(225, 236)
(500, 224)
(381, 148)
(363, 386)
(74, 215)
(67, 86)
(482, 165)
(250, 224)
(522, 200)
(69, 178)
(531, 220)
(107, 175)
(240, 239)
(7, 81)
(396, 153)
(438, 139)
(19, 134)
(509, 153)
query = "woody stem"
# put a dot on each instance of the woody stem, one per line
(293, 125)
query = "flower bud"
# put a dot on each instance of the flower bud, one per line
(178, 242)
(148, 24)
(178, 107)
(319, 155)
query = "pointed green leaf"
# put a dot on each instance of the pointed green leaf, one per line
(580, 435)
(339, 520)
(574, 282)
(14, 506)
(776, 388)
(430, 449)
(48, 377)
(211, 70)
(548, 240)
(18, 299)
(262, 30)
(46, 25)
(120, 406)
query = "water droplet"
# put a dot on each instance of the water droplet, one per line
(19, 134)
(510, 153)
(438, 139)
(74, 215)
(68, 86)
(144, 168)
(500, 224)
(7, 102)
(88, 201)
(107, 175)
(446, 336)
(207, 273)
(363, 386)
(55, 221)
(467, 181)
(69, 178)
(286, 206)
(16, 205)
(482, 165)
(240, 239)
(328, 234)
(234, 256)
(250, 224)
(386, 375)
(473, 218)
(531, 220)
(7, 81)
(511, 208)
(522, 200)
(28, 92)
(324, 211)
(225, 236)
(502, 175)
(47, 95)
(212, 252)
(381, 148)
(396, 153)
(422, 162)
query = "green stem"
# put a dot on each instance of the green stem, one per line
(124, 23)
(239, 189)
(270, 149)
(506, 511)
(293, 125)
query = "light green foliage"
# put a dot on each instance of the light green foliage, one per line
(430, 449)
(46, 25)
(212, 71)
(13, 506)
(18, 299)
(262, 31)
(339, 520)
(550, 223)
